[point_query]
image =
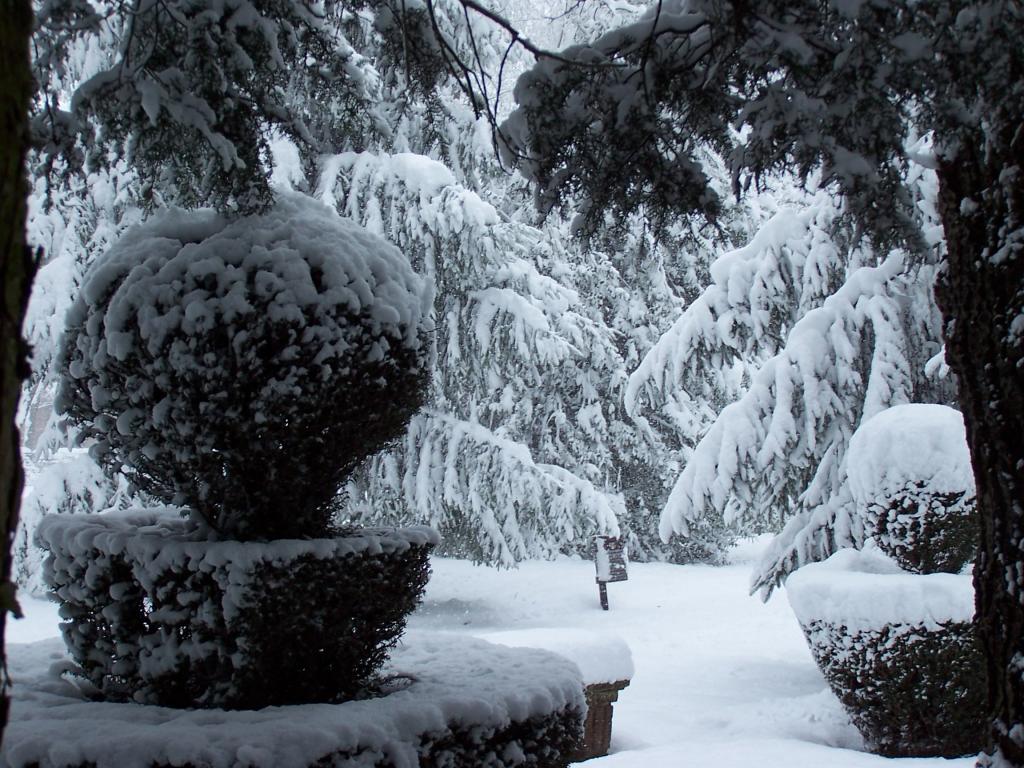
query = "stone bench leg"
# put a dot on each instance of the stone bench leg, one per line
(597, 731)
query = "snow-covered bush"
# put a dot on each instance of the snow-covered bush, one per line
(245, 367)
(899, 650)
(910, 475)
(156, 613)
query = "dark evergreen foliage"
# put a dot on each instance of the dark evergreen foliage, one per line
(157, 615)
(912, 691)
(926, 532)
(196, 90)
(546, 741)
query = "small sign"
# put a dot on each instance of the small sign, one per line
(610, 562)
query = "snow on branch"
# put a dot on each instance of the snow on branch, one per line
(812, 535)
(756, 295)
(475, 485)
(496, 297)
(779, 448)
(517, 393)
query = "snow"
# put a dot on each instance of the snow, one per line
(799, 413)
(906, 445)
(68, 481)
(865, 590)
(448, 456)
(160, 539)
(602, 658)
(213, 259)
(39, 621)
(719, 679)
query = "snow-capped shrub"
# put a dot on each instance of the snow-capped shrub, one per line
(244, 368)
(910, 476)
(157, 614)
(899, 650)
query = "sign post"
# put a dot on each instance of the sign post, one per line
(610, 562)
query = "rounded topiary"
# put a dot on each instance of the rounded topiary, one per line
(900, 651)
(245, 367)
(910, 475)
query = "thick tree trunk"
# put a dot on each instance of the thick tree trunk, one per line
(982, 299)
(16, 268)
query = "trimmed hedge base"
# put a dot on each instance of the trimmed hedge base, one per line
(911, 690)
(462, 703)
(155, 614)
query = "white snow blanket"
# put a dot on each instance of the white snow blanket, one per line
(907, 445)
(602, 658)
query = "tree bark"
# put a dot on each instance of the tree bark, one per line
(17, 266)
(982, 298)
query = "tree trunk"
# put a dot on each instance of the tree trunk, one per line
(16, 266)
(982, 298)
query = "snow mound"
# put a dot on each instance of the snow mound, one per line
(865, 590)
(341, 263)
(601, 658)
(910, 445)
(458, 684)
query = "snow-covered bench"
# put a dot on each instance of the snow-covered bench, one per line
(605, 662)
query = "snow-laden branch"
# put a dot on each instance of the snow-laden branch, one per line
(511, 458)
(757, 293)
(470, 482)
(841, 362)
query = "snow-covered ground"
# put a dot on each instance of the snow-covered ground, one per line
(721, 679)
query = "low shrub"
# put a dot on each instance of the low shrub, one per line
(911, 479)
(898, 649)
(453, 702)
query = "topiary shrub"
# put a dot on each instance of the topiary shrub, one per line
(911, 478)
(243, 368)
(156, 614)
(891, 627)
(898, 649)
(925, 531)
